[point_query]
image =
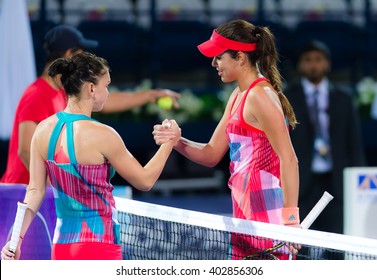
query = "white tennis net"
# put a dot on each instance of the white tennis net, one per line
(154, 232)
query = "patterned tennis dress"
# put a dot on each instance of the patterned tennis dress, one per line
(87, 225)
(254, 176)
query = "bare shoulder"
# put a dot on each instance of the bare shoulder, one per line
(42, 134)
(262, 92)
(46, 126)
(101, 127)
(94, 141)
(100, 132)
(102, 140)
(263, 100)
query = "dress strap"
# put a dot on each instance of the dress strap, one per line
(65, 119)
(54, 139)
(253, 84)
(259, 80)
(243, 100)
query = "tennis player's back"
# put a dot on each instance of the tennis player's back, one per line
(83, 193)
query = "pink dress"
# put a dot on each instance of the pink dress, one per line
(254, 177)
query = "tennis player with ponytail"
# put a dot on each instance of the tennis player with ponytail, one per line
(80, 155)
(255, 127)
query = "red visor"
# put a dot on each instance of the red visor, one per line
(218, 44)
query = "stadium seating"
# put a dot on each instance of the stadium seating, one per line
(121, 43)
(38, 30)
(173, 47)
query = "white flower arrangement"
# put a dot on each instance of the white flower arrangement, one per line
(366, 91)
(208, 106)
(367, 97)
(193, 107)
(190, 107)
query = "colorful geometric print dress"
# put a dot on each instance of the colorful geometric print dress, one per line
(254, 178)
(87, 226)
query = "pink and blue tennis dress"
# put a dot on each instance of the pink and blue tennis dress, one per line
(87, 225)
(254, 176)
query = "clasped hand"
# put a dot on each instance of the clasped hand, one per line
(166, 131)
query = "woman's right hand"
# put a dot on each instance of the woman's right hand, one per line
(9, 255)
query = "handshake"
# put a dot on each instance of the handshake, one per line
(167, 131)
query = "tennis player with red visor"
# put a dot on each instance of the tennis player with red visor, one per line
(264, 177)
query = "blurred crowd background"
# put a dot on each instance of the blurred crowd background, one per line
(157, 39)
(152, 44)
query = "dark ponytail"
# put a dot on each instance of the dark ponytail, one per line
(267, 63)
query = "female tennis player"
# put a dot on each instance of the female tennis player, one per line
(255, 126)
(79, 156)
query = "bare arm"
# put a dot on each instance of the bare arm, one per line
(34, 196)
(207, 154)
(123, 101)
(25, 134)
(266, 109)
(37, 185)
(141, 177)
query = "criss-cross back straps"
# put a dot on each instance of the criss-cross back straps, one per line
(65, 119)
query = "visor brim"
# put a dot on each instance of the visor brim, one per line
(209, 49)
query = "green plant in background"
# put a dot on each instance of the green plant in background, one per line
(366, 90)
(190, 108)
(193, 107)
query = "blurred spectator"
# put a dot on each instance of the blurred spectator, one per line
(327, 138)
(45, 97)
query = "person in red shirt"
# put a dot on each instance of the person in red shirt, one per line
(45, 96)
